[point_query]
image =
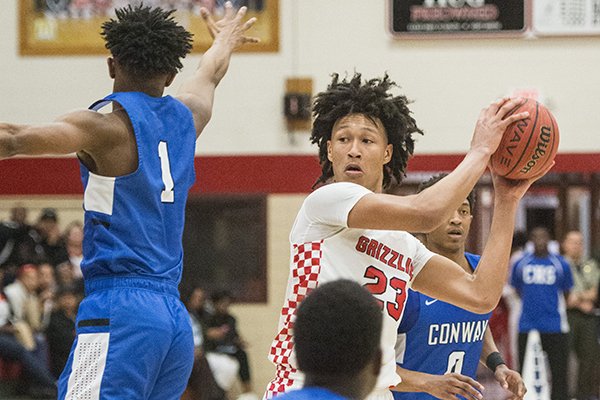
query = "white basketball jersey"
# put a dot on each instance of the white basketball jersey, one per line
(324, 249)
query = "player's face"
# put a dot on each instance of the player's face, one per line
(540, 238)
(358, 150)
(451, 236)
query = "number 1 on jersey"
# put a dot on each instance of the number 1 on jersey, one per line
(167, 195)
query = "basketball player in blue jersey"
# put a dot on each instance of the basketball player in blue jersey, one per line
(440, 345)
(134, 339)
(337, 333)
(543, 281)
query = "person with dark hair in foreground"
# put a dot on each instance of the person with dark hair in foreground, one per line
(440, 345)
(349, 229)
(337, 333)
(134, 338)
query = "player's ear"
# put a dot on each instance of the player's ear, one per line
(111, 67)
(170, 79)
(389, 150)
(329, 157)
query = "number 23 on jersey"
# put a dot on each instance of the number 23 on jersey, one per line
(379, 286)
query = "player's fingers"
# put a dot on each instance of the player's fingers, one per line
(241, 13)
(468, 380)
(520, 387)
(509, 106)
(493, 108)
(446, 396)
(250, 39)
(515, 117)
(229, 13)
(465, 389)
(248, 24)
(209, 21)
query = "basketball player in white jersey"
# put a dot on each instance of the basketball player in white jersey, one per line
(349, 229)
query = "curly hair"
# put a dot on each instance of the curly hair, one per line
(337, 329)
(146, 40)
(436, 178)
(371, 98)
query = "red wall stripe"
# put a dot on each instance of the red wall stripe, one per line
(232, 174)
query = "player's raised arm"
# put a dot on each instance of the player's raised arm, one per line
(423, 212)
(77, 131)
(229, 34)
(479, 292)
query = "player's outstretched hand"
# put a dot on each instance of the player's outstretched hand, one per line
(230, 27)
(515, 188)
(449, 386)
(512, 381)
(492, 123)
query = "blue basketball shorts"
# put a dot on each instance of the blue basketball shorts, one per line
(134, 341)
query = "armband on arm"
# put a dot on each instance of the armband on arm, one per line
(494, 360)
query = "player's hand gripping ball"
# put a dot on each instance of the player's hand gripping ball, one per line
(527, 145)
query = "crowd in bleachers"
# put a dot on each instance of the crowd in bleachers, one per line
(40, 289)
(41, 286)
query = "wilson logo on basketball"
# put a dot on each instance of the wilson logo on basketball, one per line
(528, 145)
(540, 149)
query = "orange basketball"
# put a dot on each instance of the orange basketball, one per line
(527, 145)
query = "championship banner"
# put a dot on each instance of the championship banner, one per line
(534, 371)
(451, 17)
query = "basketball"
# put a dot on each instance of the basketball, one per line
(528, 145)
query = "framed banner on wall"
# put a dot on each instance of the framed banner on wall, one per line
(440, 18)
(65, 27)
(566, 17)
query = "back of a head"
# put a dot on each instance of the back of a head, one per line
(146, 40)
(338, 330)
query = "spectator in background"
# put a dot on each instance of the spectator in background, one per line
(22, 295)
(65, 277)
(543, 279)
(223, 337)
(13, 237)
(60, 332)
(581, 315)
(39, 383)
(50, 237)
(337, 338)
(46, 291)
(202, 384)
(73, 239)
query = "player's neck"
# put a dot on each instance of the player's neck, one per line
(151, 87)
(457, 255)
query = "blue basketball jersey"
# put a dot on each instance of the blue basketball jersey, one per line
(436, 337)
(541, 283)
(134, 223)
(311, 393)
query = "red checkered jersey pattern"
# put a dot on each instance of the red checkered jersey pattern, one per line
(282, 383)
(306, 266)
